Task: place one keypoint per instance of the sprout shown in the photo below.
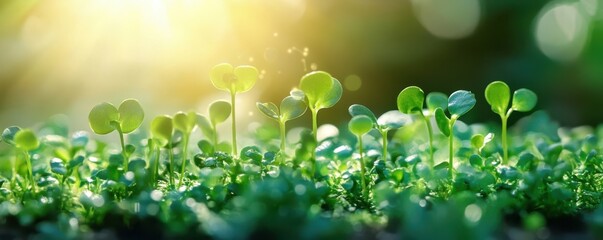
(292, 107)
(27, 141)
(185, 123)
(233, 80)
(360, 125)
(410, 101)
(459, 103)
(219, 111)
(498, 96)
(104, 118)
(162, 129)
(386, 122)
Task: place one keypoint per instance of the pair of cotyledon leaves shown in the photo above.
(235, 80)
(162, 126)
(291, 107)
(319, 90)
(363, 120)
(105, 118)
(410, 100)
(24, 139)
(498, 96)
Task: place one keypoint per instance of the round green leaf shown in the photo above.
(477, 141)
(292, 108)
(411, 100)
(436, 100)
(245, 78)
(498, 96)
(205, 126)
(8, 135)
(460, 102)
(185, 122)
(161, 129)
(101, 116)
(26, 140)
(222, 76)
(524, 100)
(130, 115)
(360, 125)
(299, 94)
(358, 109)
(393, 119)
(332, 96)
(269, 109)
(57, 166)
(219, 111)
(442, 121)
(315, 86)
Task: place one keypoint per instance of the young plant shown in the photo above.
(292, 107)
(410, 101)
(219, 111)
(8, 136)
(459, 103)
(27, 141)
(360, 125)
(233, 80)
(386, 122)
(162, 129)
(185, 123)
(104, 118)
(498, 96)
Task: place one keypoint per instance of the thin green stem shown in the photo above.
(315, 134)
(155, 165)
(234, 125)
(451, 148)
(171, 159)
(30, 171)
(123, 149)
(184, 158)
(430, 136)
(362, 169)
(283, 134)
(505, 143)
(215, 136)
(384, 144)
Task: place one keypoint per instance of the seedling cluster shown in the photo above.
(389, 175)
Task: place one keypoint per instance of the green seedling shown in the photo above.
(8, 136)
(219, 111)
(185, 123)
(479, 141)
(322, 91)
(104, 118)
(162, 129)
(498, 96)
(292, 107)
(360, 125)
(26, 140)
(386, 122)
(410, 101)
(233, 80)
(459, 103)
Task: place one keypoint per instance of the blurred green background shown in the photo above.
(66, 56)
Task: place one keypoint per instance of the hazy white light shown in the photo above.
(452, 19)
(561, 31)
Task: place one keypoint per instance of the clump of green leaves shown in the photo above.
(459, 103)
(360, 125)
(105, 118)
(410, 101)
(233, 80)
(388, 121)
(498, 96)
(292, 107)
